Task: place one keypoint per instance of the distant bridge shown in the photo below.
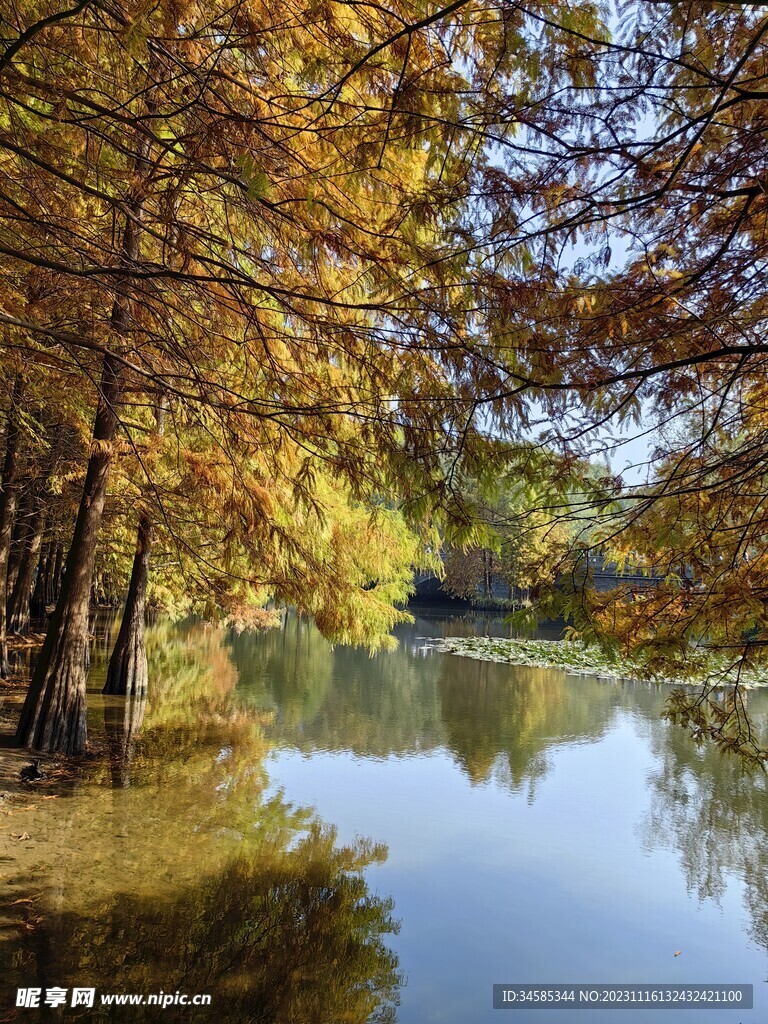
(604, 576)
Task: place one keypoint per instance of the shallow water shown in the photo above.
(310, 834)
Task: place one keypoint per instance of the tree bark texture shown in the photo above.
(53, 716)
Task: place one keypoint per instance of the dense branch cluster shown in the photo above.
(282, 283)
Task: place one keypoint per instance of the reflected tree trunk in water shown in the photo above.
(122, 724)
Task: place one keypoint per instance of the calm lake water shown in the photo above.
(308, 834)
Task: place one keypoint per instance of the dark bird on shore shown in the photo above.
(31, 773)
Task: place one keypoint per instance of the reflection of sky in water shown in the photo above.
(490, 887)
(566, 876)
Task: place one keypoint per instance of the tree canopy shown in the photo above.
(359, 254)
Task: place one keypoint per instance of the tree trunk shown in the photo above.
(55, 578)
(39, 600)
(8, 511)
(53, 716)
(127, 672)
(19, 537)
(18, 605)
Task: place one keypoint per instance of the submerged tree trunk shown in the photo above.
(53, 716)
(127, 672)
(8, 511)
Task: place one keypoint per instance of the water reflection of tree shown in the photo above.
(332, 699)
(287, 671)
(123, 719)
(188, 663)
(715, 815)
(193, 703)
(193, 878)
(502, 720)
(498, 720)
(281, 935)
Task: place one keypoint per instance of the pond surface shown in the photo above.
(308, 834)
